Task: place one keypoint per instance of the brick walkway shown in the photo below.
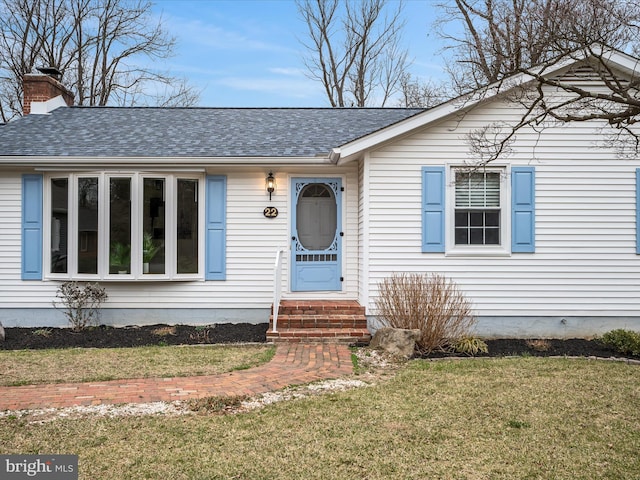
(293, 364)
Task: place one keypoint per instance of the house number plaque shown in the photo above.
(270, 212)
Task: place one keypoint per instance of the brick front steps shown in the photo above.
(320, 321)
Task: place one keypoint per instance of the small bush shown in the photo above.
(202, 334)
(429, 303)
(80, 303)
(470, 346)
(626, 342)
(539, 344)
(42, 332)
(164, 331)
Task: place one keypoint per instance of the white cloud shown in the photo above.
(288, 71)
(303, 88)
(215, 32)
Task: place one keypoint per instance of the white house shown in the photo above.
(544, 242)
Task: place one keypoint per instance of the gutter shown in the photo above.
(334, 156)
(60, 162)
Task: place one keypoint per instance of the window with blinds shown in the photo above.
(477, 208)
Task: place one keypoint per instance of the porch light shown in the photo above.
(271, 184)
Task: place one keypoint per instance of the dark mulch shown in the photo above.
(574, 347)
(135, 336)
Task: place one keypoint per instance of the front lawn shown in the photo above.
(516, 418)
(26, 367)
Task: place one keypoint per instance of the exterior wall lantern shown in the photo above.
(270, 184)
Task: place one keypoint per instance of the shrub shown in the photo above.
(164, 331)
(539, 344)
(470, 346)
(201, 334)
(626, 342)
(80, 303)
(429, 303)
(42, 332)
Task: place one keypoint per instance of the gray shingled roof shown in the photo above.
(192, 132)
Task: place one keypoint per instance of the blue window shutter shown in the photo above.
(433, 190)
(638, 211)
(523, 209)
(32, 227)
(216, 227)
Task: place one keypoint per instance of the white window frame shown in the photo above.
(504, 248)
(171, 214)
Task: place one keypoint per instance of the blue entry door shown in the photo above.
(316, 241)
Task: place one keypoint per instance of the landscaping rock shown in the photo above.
(399, 342)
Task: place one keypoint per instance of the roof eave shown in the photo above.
(353, 150)
(45, 162)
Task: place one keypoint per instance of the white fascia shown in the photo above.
(45, 163)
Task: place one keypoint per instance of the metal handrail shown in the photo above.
(277, 287)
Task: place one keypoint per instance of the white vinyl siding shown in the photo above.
(363, 231)
(10, 228)
(585, 261)
(14, 292)
(251, 240)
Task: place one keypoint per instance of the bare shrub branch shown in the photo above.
(80, 303)
(431, 303)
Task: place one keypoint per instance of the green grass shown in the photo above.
(519, 418)
(25, 367)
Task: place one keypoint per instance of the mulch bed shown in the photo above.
(226, 333)
(134, 336)
(574, 347)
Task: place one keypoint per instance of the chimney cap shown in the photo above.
(52, 71)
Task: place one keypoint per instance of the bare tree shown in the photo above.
(421, 94)
(501, 37)
(506, 38)
(353, 50)
(105, 50)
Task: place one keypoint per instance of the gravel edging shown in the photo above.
(181, 407)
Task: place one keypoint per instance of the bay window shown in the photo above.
(187, 225)
(153, 226)
(119, 229)
(87, 208)
(124, 226)
(59, 224)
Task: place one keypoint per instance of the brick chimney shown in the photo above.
(43, 86)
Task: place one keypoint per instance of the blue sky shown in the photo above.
(247, 53)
